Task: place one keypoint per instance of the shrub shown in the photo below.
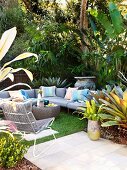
(11, 150)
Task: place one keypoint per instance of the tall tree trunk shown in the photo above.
(83, 22)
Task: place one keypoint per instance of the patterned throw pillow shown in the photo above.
(80, 95)
(48, 91)
(69, 92)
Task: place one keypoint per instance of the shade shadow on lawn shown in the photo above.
(65, 124)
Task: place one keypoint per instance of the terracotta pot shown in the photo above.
(93, 130)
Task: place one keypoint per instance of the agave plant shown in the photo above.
(6, 71)
(55, 81)
(114, 106)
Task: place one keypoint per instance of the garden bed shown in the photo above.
(23, 165)
(114, 133)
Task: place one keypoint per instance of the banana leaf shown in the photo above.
(94, 28)
(103, 19)
(116, 18)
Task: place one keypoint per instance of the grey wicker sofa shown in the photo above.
(58, 99)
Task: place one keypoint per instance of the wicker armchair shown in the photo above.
(21, 114)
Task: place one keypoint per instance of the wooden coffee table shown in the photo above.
(41, 112)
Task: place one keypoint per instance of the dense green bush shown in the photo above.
(10, 17)
(11, 150)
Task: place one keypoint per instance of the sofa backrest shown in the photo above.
(60, 92)
(4, 94)
(31, 93)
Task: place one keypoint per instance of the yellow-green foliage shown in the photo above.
(92, 110)
(11, 151)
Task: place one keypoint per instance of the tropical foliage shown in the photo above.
(5, 42)
(12, 149)
(113, 105)
(58, 39)
(91, 112)
(108, 44)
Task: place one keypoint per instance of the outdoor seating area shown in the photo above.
(63, 85)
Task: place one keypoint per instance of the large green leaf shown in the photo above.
(29, 74)
(113, 112)
(110, 105)
(112, 100)
(104, 116)
(118, 91)
(109, 123)
(103, 19)
(17, 84)
(10, 76)
(6, 41)
(116, 18)
(21, 57)
(4, 73)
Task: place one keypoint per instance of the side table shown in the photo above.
(41, 112)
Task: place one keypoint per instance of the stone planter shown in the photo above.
(85, 82)
(93, 130)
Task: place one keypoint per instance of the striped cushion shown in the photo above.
(78, 95)
(48, 91)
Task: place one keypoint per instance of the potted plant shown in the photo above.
(91, 112)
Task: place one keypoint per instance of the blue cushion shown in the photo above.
(78, 95)
(48, 91)
(24, 94)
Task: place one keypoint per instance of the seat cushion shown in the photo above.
(33, 100)
(43, 124)
(74, 105)
(58, 100)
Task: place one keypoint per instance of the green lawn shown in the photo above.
(65, 124)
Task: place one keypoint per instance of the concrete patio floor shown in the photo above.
(77, 152)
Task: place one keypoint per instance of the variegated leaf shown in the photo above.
(109, 123)
(6, 41)
(29, 74)
(21, 57)
(4, 73)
